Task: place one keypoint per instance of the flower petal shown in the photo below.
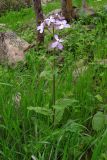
(67, 26)
(56, 37)
(50, 20)
(54, 44)
(61, 26)
(64, 22)
(61, 40)
(38, 28)
(60, 46)
(41, 27)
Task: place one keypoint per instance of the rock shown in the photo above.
(45, 1)
(82, 67)
(89, 27)
(12, 48)
(54, 12)
(74, 13)
(101, 61)
(79, 72)
(87, 11)
(2, 25)
(105, 8)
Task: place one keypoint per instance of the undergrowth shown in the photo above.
(80, 129)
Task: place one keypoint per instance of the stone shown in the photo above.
(45, 1)
(81, 67)
(79, 72)
(87, 11)
(2, 25)
(54, 12)
(105, 8)
(12, 48)
(101, 62)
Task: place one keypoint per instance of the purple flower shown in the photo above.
(62, 24)
(57, 44)
(50, 20)
(41, 27)
(56, 21)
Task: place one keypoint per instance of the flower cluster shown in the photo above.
(57, 43)
(54, 22)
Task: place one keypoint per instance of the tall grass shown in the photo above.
(26, 128)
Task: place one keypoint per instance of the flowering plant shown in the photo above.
(54, 22)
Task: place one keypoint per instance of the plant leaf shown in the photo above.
(98, 121)
(99, 98)
(41, 110)
(60, 107)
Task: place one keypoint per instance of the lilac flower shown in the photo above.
(62, 24)
(41, 27)
(50, 20)
(57, 44)
(56, 21)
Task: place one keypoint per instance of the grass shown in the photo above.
(26, 126)
(15, 19)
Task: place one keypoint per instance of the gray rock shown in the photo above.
(54, 12)
(105, 7)
(12, 48)
(78, 72)
(2, 25)
(101, 61)
(81, 68)
(45, 1)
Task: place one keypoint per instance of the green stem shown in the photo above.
(54, 80)
(54, 86)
